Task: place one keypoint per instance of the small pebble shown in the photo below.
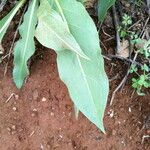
(13, 127)
(13, 132)
(129, 109)
(52, 114)
(34, 109)
(61, 136)
(14, 109)
(111, 114)
(43, 99)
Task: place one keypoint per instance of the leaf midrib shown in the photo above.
(28, 33)
(87, 84)
(63, 40)
(84, 76)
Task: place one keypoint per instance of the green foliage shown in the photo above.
(123, 29)
(25, 47)
(126, 20)
(103, 6)
(136, 2)
(66, 27)
(73, 69)
(82, 1)
(142, 80)
(55, 30)
(4, 23)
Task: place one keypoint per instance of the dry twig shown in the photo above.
(110, 57)
(116, 27)
(123, 80)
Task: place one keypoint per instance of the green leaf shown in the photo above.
(86, 80)
(82, 1)
(87, 84)
(53, 32)
(4, 23)
(25, 47)
(103, 6)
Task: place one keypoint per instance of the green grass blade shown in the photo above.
(103, 6)
(4, 23)
(25, 47)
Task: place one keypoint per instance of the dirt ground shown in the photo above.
(40, 116)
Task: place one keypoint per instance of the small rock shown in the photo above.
(14, 109)
(61, 136)
(13, 132)
(129, 109)
(35, 110)
(52, 114)
(13, 127)
(44, 99)
(111, 113)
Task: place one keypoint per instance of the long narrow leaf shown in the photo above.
(103, 6)
(25, 47)
(4, 23)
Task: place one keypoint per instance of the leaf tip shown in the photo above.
(18, 84)
(18, 81)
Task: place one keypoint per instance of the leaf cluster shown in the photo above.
(66, 27)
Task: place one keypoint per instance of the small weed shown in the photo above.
(123, 29)
(142, 79)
